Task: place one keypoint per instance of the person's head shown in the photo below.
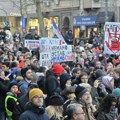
(109, 66)
(57, 69)
(13, 87)
(98, 64)
(82, 94)
(70, 92)
(74, 112)
(5, 66)
(83, 78)
(36, 97)
(116, 73)
(31, 86)
(65, 80)
(107, 103)
(76, 72)
(27, 73)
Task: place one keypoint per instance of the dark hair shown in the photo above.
(83, 74)
(75, 70)
(106, 103)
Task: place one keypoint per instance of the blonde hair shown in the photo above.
(55, 111)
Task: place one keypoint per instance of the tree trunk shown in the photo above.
(40, 19)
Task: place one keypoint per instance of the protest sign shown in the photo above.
(51, 51)
(31, 44)
(45, 59)
(112, 38)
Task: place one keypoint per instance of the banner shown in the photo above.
(112, 38)
(31, 44)
(45, 59)
(45, 43)
(52, 52)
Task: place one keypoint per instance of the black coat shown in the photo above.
(4, 85)
(20, 107)
(105, 116)
(34, 113)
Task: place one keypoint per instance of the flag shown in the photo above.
(21, 64)
(57, 32)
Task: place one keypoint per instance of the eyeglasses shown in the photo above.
(80, 113)
(84, 78)
(29, 72)
(39, 97)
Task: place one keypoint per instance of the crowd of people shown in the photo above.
(87, 88)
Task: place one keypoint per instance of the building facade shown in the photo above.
(78, 15)
(10, 14)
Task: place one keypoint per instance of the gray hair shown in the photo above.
(71, 109)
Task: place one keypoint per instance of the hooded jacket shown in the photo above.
(34, 113)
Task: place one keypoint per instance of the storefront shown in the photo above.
(33, 24)
(82, 25)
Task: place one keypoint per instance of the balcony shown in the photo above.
(89, 4)
(63, 4)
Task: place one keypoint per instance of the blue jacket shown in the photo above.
(23, 86)
(34, 113)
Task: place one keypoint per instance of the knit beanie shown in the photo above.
(57, 69)
(79, 91)
(56, 100)
(116, 92)
(63, 79)
(12, 84)
(35, 92)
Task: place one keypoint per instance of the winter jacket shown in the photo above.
(23, 86)
(10, 102)
(34, 113)
(20, 107)
(86, 108)
(4, 84)
(105, 116)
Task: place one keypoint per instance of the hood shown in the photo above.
(48, 73)
(11, 94)
(106, 81)
(22, 82)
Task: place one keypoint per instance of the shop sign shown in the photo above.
(84, 20)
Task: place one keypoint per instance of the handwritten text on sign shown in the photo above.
(31, 44)
(112, 38)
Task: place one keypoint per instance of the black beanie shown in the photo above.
(56, 100)
(12, 84)
(63, 79)
(79, 91)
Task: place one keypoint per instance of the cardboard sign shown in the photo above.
(31, 44)
(112, 38)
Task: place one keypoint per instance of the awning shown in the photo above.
(101, 17)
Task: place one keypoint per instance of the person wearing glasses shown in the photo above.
(74, 112)
(34, 109)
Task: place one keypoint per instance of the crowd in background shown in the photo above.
(87, 88)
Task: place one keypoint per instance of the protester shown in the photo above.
(74, 112)
(55, 108)
(34, 109)
(11, 99)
